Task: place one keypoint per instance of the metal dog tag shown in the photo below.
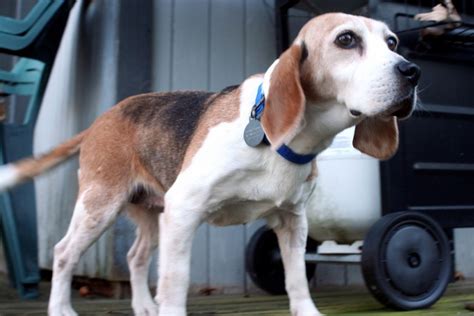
(254, 134)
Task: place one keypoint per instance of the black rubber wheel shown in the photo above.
(406, 261)
(264, 264)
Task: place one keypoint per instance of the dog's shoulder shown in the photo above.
(167, 122)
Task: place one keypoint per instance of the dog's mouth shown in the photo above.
(401, 109)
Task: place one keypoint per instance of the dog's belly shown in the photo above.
(235, 213)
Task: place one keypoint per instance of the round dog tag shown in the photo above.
(254, 134)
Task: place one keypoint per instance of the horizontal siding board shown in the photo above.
(226, 43)
(464, 255)
(190, 45)
(260, 37)
(250, 229)
(226, 68)
(200, 259)
(163, 35)
(190, 70)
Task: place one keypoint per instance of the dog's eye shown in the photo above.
(392, 43)
(346, 40)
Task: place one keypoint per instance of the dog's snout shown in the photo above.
(410, 71)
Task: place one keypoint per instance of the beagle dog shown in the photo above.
(175, 160)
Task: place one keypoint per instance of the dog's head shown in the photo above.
(347, 60)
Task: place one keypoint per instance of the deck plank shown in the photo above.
(352, 301)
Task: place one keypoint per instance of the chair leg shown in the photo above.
(18, 210)
(26, 286)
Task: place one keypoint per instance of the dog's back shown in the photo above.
(144, 136)
(165, 124)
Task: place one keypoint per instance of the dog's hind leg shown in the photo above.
(138, 258)
(95, 210)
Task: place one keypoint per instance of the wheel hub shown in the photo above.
(412, 260)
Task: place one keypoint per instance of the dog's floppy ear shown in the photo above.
(377, 137)
(285, 101)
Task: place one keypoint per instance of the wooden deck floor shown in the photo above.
(348, 301)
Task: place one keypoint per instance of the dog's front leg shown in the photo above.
(177, 227)
(292, 233)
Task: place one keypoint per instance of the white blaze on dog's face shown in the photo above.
(355, 62)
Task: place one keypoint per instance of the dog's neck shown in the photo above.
(322, 121)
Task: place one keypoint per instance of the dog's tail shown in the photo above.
(15, 173)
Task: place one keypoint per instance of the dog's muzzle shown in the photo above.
(403, 104)
(410, 73)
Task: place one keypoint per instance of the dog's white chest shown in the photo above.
(248, 195)
(235, 184)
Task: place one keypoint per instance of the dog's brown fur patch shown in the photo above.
(166, 123)
(138, 147)
(224, 108)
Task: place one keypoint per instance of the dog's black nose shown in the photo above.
(355, 112)
(410, 71)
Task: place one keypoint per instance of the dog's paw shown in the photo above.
(172, 311)
(145, 308)
(61, 310)
(307, 313)
(305, 308)
(146, 311)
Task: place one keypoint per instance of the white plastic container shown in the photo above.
(346, 200)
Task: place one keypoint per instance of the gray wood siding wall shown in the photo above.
(83, 86)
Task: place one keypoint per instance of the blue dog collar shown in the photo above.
(284, 151)
(287, 153)
(259, 104)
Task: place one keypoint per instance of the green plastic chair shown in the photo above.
(14, 26)
(36, 37)
(17, 207)
(25, 80)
